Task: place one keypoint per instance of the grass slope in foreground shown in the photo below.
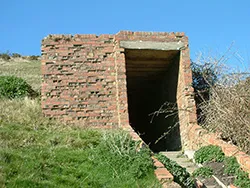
(37, 152)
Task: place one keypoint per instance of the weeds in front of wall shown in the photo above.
(209, 153)
(205, 172)
(231, 166)
(181, 176)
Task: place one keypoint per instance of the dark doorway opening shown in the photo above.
(152, 79)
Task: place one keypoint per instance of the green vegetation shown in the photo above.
(38, 152)
(205, 172)
(242, 179)
(181, 176)
(30, 71)
(231, 165)
(13, 87)
(209, 153)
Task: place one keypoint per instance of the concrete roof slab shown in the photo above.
(143, 45)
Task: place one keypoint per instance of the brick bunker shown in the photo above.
(116, 81)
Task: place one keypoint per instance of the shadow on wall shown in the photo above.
(152, 78)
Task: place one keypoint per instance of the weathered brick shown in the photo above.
(85, 75)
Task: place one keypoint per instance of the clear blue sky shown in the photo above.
(210, 25)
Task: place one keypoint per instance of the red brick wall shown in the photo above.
(78, 79)
(84, 78)
(84, 81)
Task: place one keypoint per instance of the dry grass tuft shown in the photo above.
(26, 112)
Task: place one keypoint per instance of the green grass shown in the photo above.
(205, 172)
(30, 71)
(38, 152)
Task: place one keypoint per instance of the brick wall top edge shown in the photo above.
(58, 37)
(69, 37)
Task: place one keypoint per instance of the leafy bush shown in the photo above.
(13, 87)
(30, 71)
(231, 165)
(5, 56)
(209, 153)
(181, 176)
(205, 172)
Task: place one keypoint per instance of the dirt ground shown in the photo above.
(218, 169)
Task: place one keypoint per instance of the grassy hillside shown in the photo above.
(28, 70)
(38, 152)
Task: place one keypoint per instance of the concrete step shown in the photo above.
(172, 153)
(191, 169)
(181, 160)
(190, 166)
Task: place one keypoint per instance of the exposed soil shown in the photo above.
(218, 171)
(209, 181)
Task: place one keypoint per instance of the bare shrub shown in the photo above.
(227, 111)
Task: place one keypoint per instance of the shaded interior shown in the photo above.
(152, 78)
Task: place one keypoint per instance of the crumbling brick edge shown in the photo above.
(199, 137)
(161, 173)
(164, 176)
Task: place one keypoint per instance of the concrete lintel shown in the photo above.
(144, 45)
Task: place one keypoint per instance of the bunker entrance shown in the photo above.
(152, 78)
